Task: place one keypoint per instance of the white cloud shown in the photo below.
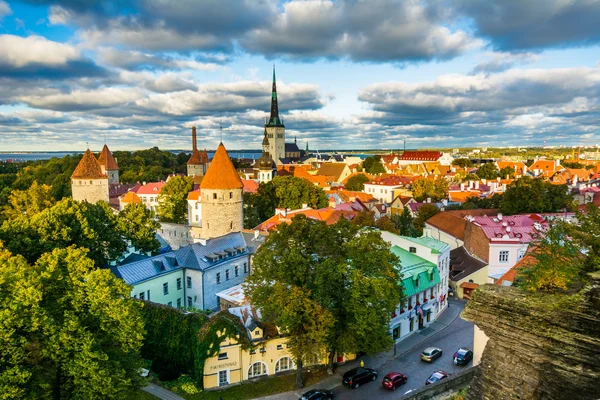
(20, 51)
(81, 100)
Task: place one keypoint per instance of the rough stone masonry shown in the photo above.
(541, 346)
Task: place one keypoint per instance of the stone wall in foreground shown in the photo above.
(540, 346)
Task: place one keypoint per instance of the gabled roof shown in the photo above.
(421, 155)
(463, 264)
(291, 148)
(334, 170)
(518, 166)
(509, 276)
(416, 270)
(131, 197)
(453, 222)
(194, 195)
(107, 160)
(151, 188)
(195, 158)
(197, 256)
(250, 185)
(221, 173)
(88, 168)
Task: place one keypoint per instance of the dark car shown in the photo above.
(430, 354)
(317, 394)
(436, 376)
(463, 356)
(393, 380)
(357, 376)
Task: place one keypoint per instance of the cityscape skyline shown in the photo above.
(365, 75)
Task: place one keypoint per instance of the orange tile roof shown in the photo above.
(511, 274)
(250, 185)
(88, 168)
(329, 215)
(106, 158)
(469, 285)
(301, 172)
(461, 197)
(221, 174)
(195, 158)
(349, 195)
(131, 197)
(194, 195)
(518, 166)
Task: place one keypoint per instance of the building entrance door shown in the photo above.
(420, 321)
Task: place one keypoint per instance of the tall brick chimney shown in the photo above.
(194, 148)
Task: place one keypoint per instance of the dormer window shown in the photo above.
(412, 249)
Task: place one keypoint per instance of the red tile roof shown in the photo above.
(221, 173)
(150, 188)
(88, 168)
(131, 197)
(250, 185)
(106, 158)
(421, 155)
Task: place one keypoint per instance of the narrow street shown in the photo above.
(458, 334)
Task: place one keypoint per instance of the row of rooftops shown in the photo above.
(199, 256)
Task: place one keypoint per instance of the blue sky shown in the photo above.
(358, 74)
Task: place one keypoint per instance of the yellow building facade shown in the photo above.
(269, 357)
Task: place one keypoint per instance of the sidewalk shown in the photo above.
(375, 362)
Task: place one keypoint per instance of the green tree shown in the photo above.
(172, 200)
(528, 195)
(488, 171)
(137, 224)
(357, 182)
(385, 223)
(474, 202)
(424, 188)
(471, 177)
(425, 212)
(404, 223)
(284, 192)
(572, 164)
(373, 165)
(557, 261)
(92, 226)
(507, 172)
(462, 162)
(69, 330)
(29, 202)
(342, 274)
(364, 219)
(586, 233)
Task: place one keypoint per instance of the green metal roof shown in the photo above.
(416, 270)
(435, 245)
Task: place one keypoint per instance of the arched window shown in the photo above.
(284, 364)
(257, 369)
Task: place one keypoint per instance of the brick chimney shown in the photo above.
(194, 148)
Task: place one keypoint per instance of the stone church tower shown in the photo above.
(263, 167)
(88, 182)
(109, 165)
(222, 200)
(198, 162)
(275, 128)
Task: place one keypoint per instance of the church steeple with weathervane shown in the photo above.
(275, 130)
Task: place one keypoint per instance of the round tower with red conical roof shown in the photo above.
(222, 200)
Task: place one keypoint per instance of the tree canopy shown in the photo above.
(91, 226)
(373, 165)
(424, 188)
(556, 262)
(488, 171)
(529, 195)
(69, 329)
(331, 287)
(172, 200)
(425, 212)
(357, 182)
(507, 172)
(282, 192)
(462, 162)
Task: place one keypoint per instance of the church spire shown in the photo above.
(274, 118)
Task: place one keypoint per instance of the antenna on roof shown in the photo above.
(87, 144)
(221, 127)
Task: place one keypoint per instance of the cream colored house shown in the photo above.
(466, 273)
(269, 356)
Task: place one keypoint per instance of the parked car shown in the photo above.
(463, 356)
(317, 394)
(393, 380)
(430, 354)
(358, 376)
(437, 376)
